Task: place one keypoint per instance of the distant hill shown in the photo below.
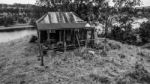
(15, 6)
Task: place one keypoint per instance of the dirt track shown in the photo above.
(120, 64)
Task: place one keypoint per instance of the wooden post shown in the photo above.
(40, 49)
(48, 38)
(77, 39)
(64, 41)
(86, 39)
(42, 58)
(39, 44)
(74, 38)
(92, 37)
(60, 36)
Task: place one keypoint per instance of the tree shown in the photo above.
(91, 10)
(96, 10)
(8, 21)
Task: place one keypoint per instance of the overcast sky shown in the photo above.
(145, 2)
(18, 1)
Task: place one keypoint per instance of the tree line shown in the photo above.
(91, 11)
(123, 12)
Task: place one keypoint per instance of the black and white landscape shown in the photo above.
(75, 42)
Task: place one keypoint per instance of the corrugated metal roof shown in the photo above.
(60, 17)
(55, 20)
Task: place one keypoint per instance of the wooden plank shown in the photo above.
(40, 49)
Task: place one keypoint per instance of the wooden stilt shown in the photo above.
(64, 41)
(74, 38)
(78, 39)
(92, 37)
(60, 36)
(39, 44)
(48, 38)
(86, 39)
(40, 49)
(42, 58)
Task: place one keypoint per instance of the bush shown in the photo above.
(144, 32)
(6, 21)
(100, 79)
(33, 22)
(116, 33)
(140, 74)
(123, 35)
(1, 21)
(21, 20)
(33, 39)
(9, 21)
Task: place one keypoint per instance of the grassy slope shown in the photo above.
(121, 64)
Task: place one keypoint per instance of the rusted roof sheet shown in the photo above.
(59, 20)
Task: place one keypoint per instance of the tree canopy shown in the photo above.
(94, 10)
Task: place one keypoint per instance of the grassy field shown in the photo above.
(120, 64)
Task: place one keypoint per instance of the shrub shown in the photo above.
(100, 79)
(6, 21)
(33, 22)
(116, 33)
(21, 20)
(140, 74)
(123, 34)
(144, 32)
(1, 21)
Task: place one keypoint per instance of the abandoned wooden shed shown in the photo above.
(62, 31)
